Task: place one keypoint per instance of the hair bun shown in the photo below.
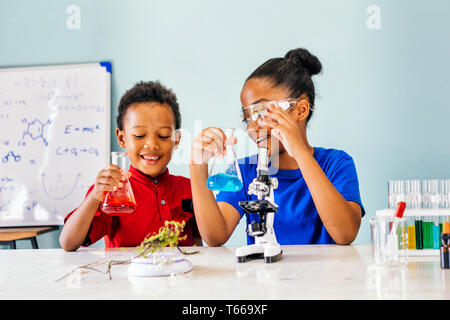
(305, 59)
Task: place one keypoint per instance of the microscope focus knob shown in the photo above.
(274, 182)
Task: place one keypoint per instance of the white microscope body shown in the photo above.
(266, 245)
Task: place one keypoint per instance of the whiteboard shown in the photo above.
(54, 139)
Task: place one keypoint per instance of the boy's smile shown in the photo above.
(151, 159)
(149, 136)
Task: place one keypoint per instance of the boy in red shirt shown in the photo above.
(147, 127)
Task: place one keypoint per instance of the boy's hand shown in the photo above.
(210, 142)
(108, 179)
(285, 128)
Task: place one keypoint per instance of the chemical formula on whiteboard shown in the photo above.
(56, 138)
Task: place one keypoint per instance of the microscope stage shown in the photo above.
(258, 206)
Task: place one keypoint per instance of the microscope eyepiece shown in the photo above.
(263, 161)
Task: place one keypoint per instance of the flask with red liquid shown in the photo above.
(121, 201)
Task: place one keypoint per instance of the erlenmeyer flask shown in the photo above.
(224, 173)
(121, 201)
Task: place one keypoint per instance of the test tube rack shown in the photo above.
(418, 213)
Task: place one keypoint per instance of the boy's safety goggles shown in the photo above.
(253, 112)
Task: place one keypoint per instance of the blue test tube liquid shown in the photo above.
(436, 234)
(224, 182)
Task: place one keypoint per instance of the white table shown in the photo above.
(305, 272)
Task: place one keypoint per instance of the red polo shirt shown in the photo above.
(166, 197)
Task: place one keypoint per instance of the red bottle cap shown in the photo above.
(400, 209)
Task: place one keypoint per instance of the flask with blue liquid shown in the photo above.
(224, 173)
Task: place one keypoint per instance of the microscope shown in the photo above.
(266, 245)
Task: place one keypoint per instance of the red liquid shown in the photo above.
(117, 207)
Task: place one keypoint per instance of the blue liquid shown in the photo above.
(436, 237)
(224, 182)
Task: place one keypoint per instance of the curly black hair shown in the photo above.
(148, 91)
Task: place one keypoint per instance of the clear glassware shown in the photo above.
(224, 173)
(396, 192)
(121, 201)
(383, 251)
(444, 193)
(433, 189)
(413, 194)
(392, 197)
(426, 195)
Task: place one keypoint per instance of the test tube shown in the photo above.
(433, 202)
(426, 198)
(448, 193)
(411, 230)
(403, 237)
(421, 241)
(434, 193)
(413, 189)
(436, 233)
(418, 228)
(392, 197)
(401, 192)
(444, 193)
(427, 232)
(396, 193)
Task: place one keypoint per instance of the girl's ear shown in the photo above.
(301, 110)
(176, 138)
(120, 138)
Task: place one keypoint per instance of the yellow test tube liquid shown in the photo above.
(411, 237)
(403, 240)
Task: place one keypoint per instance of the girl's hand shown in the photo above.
(108, 179)
(285, 128)
(210, 142)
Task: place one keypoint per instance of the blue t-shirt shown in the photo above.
(297, 220)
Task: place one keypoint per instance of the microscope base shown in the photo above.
(269, 253)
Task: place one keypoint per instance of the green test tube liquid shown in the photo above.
(427, 233)
(419, 239)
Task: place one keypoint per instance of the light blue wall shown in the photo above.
(383, 95)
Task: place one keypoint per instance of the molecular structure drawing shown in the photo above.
(11, 156)
(35, 130)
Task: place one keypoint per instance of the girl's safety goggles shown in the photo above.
(253, 112)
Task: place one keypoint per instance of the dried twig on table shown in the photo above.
(168, 236)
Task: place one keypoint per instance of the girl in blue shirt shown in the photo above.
(318, 191)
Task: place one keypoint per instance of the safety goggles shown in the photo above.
(253, 112)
